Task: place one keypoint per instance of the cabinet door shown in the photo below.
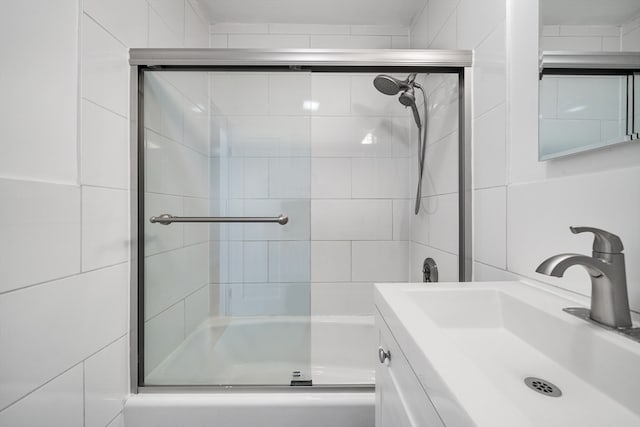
(390, 409)
(400, 398)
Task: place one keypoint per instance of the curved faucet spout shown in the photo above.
(558, 264)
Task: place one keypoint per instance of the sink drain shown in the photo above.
(543, 387)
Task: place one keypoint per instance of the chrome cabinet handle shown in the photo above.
(166, 219)
(384, 355)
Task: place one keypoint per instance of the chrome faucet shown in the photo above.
(609, 300)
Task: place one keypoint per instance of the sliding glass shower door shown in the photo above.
(227, 252)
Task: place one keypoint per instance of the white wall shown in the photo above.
(64, 238)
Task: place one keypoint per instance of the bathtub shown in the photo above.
(338, 355)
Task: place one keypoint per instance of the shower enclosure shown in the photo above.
(272, 189)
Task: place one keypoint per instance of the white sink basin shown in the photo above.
(472, 346)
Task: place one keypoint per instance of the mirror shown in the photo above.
(584, 111)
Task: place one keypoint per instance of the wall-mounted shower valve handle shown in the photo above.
(166, 219)
(383, 355)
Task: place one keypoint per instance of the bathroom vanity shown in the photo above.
(498, 354)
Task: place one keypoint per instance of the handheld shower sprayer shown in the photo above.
(389, 85)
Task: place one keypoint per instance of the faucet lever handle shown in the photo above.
(604, 241)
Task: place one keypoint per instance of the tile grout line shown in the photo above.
(57, 279)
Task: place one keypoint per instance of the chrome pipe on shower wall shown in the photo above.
(166, 219)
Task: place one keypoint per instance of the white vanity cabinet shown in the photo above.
(400, 399)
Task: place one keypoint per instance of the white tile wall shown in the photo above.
(330, 178)
(106, 383)
(342, 299)
(630, 39)
(39, 221)
(105, 74)
(330, 261)
(379, 261)
(588, 38)
(351, 220)
(67, 320)
(490, 226)
(59, 401)
(74, 160)
(282, 36)
(104, 147)
(105, 227)
(289, 261)
(126, 19)
(39, 129)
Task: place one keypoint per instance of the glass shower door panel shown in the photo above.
(227, 303)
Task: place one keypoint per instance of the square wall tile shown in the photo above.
(490, 149)
(331, 94)
(39, 126)
(125, 19)
(196, 31)
(68, 320)
(490, 72)
(380, 178)
(342, 299)
(290, 94)
(105, 227)
(57, 403)
(490, 225)
(172, 13)
(105, 69)
(289, 178)
(380, 261)
(351, 220)
(104, 147)
(330, 261)
(106, 383)
(231, 90)
(40, 229)
(289, 262)
(331, 178)
(351, 137)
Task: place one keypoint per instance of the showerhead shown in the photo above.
(408, 97)
(392, 86)
(389, 85)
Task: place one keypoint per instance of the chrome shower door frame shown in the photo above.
(346, 60)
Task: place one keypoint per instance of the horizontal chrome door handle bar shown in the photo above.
(166, 219)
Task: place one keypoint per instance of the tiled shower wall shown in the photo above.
(64, 224)
(454, 24)
(342, 175)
